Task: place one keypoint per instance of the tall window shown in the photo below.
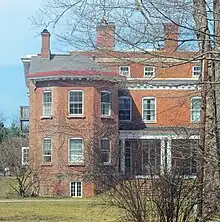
(106, 103)
(149, 109)
(125, 108)
(124, 70)
(47, 103)
(196, 71)
(196, 104)
(75, 151)
(76, 189)
(47, 150)
(76, 98)
(105, 151)
(149, 71)
(25, 155)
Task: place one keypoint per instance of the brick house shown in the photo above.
(148, 105)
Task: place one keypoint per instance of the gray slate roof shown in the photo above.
(65, 62)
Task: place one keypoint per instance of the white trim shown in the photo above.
(142, 110)
(162, 59)
(75, 191)
(146, 86)
(131, 134)
(110, 111)
(126, 97)
(22, 155)
(109, 162)
(75, 90)
(129, 71)
(75, 138)
(42, 141)
(42, 103)
(149, 76)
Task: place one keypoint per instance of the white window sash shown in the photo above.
(75, 155)
(76, 187)
(76, 103)
(151, 112)
(124, 73)
(149, 73)
(106, 107)
(195, 112)
(46, 106)
(47, 150)
(106, 151)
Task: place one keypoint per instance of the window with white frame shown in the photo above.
(149, 109)
(105, 151)
(47, 145)
(149, 71)
(196, 71)
(76, 102)
(47, 103)
(75, 151)
(106, 103)
(125, 108)
(75, 189)
(196, 104)
(124, 70)
(24, 155)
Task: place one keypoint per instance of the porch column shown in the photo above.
(162, 155)
(169, 154)
(122, 156)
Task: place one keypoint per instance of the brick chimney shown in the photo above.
(171, 35)
(45, 50)
(105, 35)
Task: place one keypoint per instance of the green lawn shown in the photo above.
(64, 210)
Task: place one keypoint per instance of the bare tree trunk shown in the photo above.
(203, 36)
(216, 9)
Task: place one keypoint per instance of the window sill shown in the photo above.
(76, 164)
(125, 121)
(148, 121)
(107, 164)
(106, 117)
(76, 117)
(186, 177)
(46, 164)
(149, 77)
(46, 117)
(195, 122)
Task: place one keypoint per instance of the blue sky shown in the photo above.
(18, 38)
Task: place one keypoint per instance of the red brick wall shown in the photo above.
(172, 107)
(60, 128)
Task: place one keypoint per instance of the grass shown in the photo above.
(5, 189)
(64, 210)
(52, 209)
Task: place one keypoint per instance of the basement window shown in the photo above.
(75, 189)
